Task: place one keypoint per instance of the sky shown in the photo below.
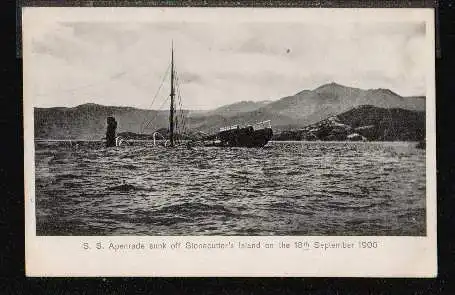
(217, 63)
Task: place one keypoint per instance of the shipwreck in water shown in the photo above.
(257, 135)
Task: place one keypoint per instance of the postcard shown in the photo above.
(229, 142)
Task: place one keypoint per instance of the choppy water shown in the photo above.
(286, 188)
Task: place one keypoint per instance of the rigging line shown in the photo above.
(156, 95)
(179, 101)
(181, 111)
(180, 114)
(156, 116)
(157, 113)
(179, 91)
(161, 85)
(177, 84)
(181, 118)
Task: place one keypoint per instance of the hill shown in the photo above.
(310, 106)
(212, 123)
(364, 123)
(88, 121)
(238, 107)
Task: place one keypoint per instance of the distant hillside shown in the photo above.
(238, 107)
(364, 123)
(214, 122)
(310, 106)
(307, 107)
(88, 121)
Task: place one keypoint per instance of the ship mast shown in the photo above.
(171, 115)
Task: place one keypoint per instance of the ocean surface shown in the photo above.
(285, 188)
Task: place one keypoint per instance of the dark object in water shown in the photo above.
(249, 136)
(110, 132)
(421, 144)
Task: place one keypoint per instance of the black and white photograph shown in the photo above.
(229, 128)
(229, 141)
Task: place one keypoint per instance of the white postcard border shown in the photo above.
(68, 256)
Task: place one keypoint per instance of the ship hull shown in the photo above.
(244, 137)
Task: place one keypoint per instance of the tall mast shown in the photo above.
(171, 115)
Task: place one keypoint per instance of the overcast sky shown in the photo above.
(122, 63)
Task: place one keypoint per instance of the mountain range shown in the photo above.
(88, 121)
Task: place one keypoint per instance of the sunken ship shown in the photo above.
(257, 135)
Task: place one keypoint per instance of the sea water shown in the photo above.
(285, 188)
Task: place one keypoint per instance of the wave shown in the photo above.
(124, 188)
(279, 190)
